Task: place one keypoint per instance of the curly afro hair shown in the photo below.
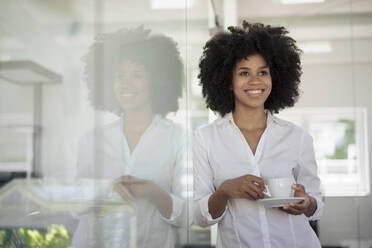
(157, 53)
(225, 49)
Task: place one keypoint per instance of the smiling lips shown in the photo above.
(254, 92)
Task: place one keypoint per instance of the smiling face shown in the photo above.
(251, 82)
(131, 85)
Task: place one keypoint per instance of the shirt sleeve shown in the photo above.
(85, 158)
(83, 161)
(203, 183)
(178, 215)
(307, 173)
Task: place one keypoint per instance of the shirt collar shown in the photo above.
(155, 121)
(228, 118)
(277, 120)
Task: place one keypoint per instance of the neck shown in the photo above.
(138, 119)
(250, 119)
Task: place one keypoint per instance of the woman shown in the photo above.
(139, 77)
(246, 75)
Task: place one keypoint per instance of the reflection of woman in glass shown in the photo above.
(246, 75)
(139, 76)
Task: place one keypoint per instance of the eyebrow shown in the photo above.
(247, 68)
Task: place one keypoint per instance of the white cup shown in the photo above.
(280, 187)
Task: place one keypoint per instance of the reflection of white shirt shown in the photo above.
(104, 154)
(284, 150)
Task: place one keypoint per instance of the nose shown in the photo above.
(124, 82)
(254, 79)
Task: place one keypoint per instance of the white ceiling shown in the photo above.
(273, 8)
(46, 25)
(55, 11)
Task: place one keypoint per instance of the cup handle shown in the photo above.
(267, 192)
(293, 183)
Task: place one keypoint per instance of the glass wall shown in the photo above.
(94, 122)
(99, 101)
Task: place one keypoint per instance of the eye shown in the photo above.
(243, 73)
(263, 73)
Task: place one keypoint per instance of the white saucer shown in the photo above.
(279, 202)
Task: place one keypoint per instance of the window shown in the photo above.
(341, 147)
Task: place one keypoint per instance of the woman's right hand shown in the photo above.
(247, 186)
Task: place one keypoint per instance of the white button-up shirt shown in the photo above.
(284, 150)
(159, 156)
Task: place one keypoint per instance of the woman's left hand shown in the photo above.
(131, 188)
(136, 187)
(306, 206)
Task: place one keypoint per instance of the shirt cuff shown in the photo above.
(206, 218)
(319, 208)
(177, 207)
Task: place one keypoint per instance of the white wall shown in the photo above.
(333, 85)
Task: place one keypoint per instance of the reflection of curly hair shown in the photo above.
(157, 53)
(225, 49)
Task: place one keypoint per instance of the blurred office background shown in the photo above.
(44, 107)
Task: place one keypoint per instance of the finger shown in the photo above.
(301, 205)
(247, 196)
(255, 188)
(123, 179)
(298, 204)
(284, 209)
(118, 184)
(297, 207)
(247, 190)
(129, 180)
(304, 202)
(132, 178)
(300, 194)
(296, 210)
(259, 183)
(288, 211)
(261, 187)
(118, 180)
(298, 187)
(139, 181)
(125, 193)
(292, 210)
(251, 177)
(120, 187)
(254, 194)
(250, 189)
(258, 180)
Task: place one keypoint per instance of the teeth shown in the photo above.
(255, 91)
